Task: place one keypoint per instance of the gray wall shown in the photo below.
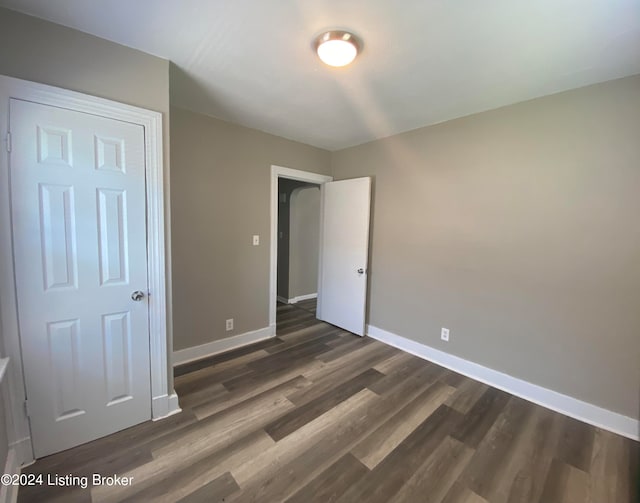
(517, 229)
(220, 183)
(304, 242)
(284, 196)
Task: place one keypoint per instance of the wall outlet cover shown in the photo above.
(229, 324)
(444, 334)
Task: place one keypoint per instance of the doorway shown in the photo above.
(298, 241)
(343, 247)
(290, 181)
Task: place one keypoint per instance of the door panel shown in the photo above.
(344, 252)
(112, 236)
(78, 216)
(57, 221)
(64, 348)
(116, 340)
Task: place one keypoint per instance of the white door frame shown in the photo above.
(163, 400)
(291, 174)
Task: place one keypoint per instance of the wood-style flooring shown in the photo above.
(320, 415)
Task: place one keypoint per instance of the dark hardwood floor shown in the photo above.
(320, 415)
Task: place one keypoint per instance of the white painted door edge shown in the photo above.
(291, 174)
(564, 404)
(156, 178)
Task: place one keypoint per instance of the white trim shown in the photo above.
(174, 405)
(300, 298)
(319, 283)
(214, 347)
(291, 174)
(157, 266)
(9, 493)
(569, 406)
(297, 299)
(4, 364)
(165, 406)
(23, 450)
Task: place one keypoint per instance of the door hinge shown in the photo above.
(26, 409)
(8, 142)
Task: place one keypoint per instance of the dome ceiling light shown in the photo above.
(337, 48)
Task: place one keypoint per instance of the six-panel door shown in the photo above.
(342, 296)
(78, 215)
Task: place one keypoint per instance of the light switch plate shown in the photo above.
(256, 240)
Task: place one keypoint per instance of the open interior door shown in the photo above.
(344, 251)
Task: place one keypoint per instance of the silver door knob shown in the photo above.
(360, 271)
(137, 295)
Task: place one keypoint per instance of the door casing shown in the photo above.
(291, 174)
(164, 401)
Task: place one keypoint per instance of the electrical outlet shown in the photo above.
(229, 324)
(444, 334)
(256, 240)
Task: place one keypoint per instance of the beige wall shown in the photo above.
(519, 230)
(37, 50)
(40, 51)
(304, 242)
(220, 183)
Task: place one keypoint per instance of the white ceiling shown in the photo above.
(424, 61)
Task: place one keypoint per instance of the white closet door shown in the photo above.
(78, 214)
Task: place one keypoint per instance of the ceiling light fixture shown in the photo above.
(337, 48)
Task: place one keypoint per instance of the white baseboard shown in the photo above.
(23, 451)
(212, 348)
(300, 298)
(9, 493)
(4, 364)
(165, 406)
(569, 406)
(174, 405)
